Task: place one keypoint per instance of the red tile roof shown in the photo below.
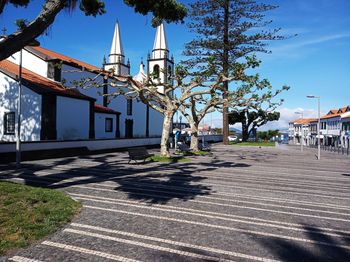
(54, 55)
(304, 121)
(47, 54)
(103, 109)
(335, 112)
(343, 109)
(38, 83)
(331, 116)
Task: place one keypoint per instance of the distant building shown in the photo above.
(334, 129)
(204, 129)
(299, 130)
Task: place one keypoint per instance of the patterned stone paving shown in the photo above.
(240, 204)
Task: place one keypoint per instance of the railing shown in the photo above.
(335, 148)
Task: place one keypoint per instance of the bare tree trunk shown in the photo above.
(15, 42)
(245, 133)
(194, 136)
(164, 144)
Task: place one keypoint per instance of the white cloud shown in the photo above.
(311, 42)
(287, 115)
(300, 47)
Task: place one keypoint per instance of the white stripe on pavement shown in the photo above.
(220, 227)
(218, 215)
(274, 211)
(145, 245)
(88, 251)
(272, 190)
(171, 242)
(22, 259)
(249, 202)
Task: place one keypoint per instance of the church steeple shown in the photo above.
(117, 52)
(160, 46)
(116, 57)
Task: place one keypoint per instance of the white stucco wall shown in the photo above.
(119, 104)
(100, 131)
(31, 109)
(30, 62)
(72, 118)
(70, 74)
(155, 123)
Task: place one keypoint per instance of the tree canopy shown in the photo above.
(168, 10)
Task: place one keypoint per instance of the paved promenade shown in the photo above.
(240, 204)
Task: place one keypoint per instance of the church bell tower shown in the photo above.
(159, 63)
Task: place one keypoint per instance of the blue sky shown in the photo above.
(314, 62)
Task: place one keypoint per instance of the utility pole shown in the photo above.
(302, 131)
(318, 125)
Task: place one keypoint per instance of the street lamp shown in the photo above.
(302, 131)
(318, 126)
(19, 109)
(180, 123)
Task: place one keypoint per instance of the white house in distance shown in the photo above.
(53, 109)
(334, 129)
(298, 129)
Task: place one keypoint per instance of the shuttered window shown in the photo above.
(129, 107)
(109, 125)
(9, 123)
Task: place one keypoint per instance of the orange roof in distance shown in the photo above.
(304, 121)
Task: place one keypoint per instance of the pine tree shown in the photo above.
(227, 30)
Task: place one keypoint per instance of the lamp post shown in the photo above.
(302, 131)
(19, 106)
(180, 123)
(318, 126)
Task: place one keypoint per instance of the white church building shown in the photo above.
(54, 109)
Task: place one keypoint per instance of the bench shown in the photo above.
(204, 147)
(138, 153)
(182, 147)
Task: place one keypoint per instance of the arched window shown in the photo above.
(156, 71)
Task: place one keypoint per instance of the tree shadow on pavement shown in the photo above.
(151, 182)
(322, 248)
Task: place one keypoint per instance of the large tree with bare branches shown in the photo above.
(168, 98)
(250, 92)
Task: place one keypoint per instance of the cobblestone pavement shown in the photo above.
(240, 204)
